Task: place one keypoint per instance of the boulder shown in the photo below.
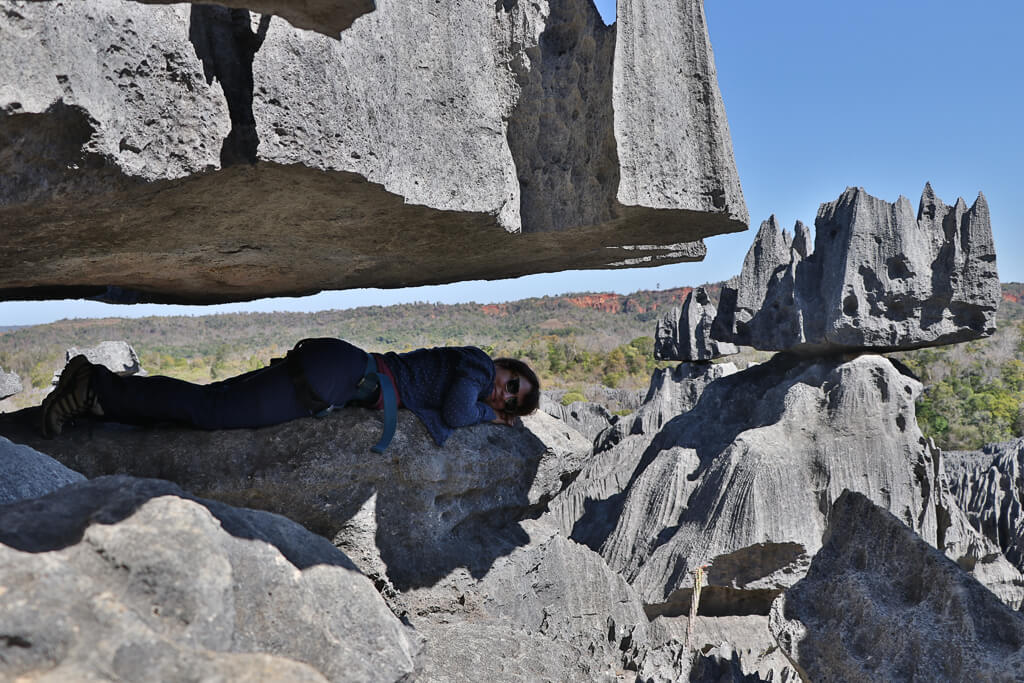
(878, 603)
(117, 356)
(586, 510)
(744, 481)
(548, 609)
(135, 580)
(685, 334)
(879, 278)
(10, 384)
(589, 419)
(988, 485)
(672, 392)
(27, 473)
(423, 505)
(198, 154)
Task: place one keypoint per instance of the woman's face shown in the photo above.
(509, 390)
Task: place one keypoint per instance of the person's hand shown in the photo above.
(504, 418)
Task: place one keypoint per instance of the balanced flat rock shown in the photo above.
(879, 278)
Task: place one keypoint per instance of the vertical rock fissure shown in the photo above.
(560, 132)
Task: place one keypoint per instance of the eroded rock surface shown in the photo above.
(10, 384)
(875, 577)
(672, 392)
(548, 609)
(685, 334)
(988, 486)
(878, 278)
(329, 17)
(134, 579)
(422, 505)
(743, 482)
(251, 158)
(27, 473)
(589, 419)
(117, 356)
(587, 508)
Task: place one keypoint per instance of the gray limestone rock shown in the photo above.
(585, 510)
(27, 473)
(548, 609)
(329, 17)
(879, 278)
(10, 384)
(685, 334)
(660, 91)
(132, 579)
(744, 481)
(251, 158)
(743, 639)
(988, 486)
(880, 604)
(589, 419)
(117, 356)
(429, 504)
(672, 392)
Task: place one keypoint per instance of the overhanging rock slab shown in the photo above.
(329, 17)
(193, 153)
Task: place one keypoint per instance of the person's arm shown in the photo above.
(461, 406)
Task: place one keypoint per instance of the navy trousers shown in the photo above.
(256, 399)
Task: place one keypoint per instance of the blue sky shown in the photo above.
(820, 95)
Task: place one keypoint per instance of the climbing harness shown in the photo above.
(372, 385)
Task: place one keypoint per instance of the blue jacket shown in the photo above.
(445, 386)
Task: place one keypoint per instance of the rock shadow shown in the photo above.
(433, 509)
(59, 519)
(226, 44)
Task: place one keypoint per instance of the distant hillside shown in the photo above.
(577, 342)
(557, 333)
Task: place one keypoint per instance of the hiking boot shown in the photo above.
(72, 397)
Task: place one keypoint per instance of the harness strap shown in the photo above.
(390, 400)
(366, 394)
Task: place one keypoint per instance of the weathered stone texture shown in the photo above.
(548, 609)
(329, 17)
(879, 278)
(589, 419)
(117, 356)
(880, 604)
(27, 473)
(250, 158)
(685, 334)
(988, 486)
(672, 392)
(132, 579)
(660, 90)
(10, 384)
(587, 509)
(423, 505)
(743, 482)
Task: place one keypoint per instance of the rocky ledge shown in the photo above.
(199, 154)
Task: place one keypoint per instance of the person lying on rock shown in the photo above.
(446, 387)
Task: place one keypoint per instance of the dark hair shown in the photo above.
(532, 400)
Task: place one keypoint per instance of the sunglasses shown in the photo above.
(512, 387)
